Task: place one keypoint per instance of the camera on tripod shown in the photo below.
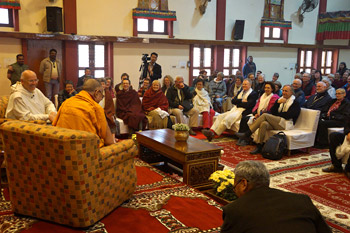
(145, 58)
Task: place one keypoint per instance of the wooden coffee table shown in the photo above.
(198, 158)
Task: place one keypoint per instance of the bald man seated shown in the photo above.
(82, 112)
(27, 102)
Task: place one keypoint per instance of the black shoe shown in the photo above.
(334, 169)
(191, 132)
(239, 142)
(347, 174)
(209, 134)
(244, 135)
(257, 149)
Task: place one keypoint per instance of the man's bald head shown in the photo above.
(91, 85)
(29, 80)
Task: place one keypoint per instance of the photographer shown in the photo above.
(151, 70)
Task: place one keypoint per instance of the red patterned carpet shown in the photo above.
(160, 204)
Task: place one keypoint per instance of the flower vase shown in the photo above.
(181, 135)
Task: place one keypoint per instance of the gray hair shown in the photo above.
(290, 86)
(91, 85)
(221, 75)
(298, 80)
(254, 172)
(179, 77)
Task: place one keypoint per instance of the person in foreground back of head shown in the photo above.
(260, 208)
(82, 112)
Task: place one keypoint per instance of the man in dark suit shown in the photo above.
(152, 70)
(263, 209)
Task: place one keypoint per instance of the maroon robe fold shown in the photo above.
(154, 99)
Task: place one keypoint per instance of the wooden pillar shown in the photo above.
(219, 58)
(70, 61)
(134, 31)
(70, 16)
(109, 60)
(15, 17)
(220, 19)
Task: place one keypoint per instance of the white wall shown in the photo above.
(338, 5)
(190, 24)
(127, 59)
(271, 60)
(344, 56)
(9, 49)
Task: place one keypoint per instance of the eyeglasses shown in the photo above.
(234, 186)
(33, 81)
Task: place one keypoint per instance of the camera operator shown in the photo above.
(152, 70)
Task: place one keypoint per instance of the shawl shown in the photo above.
(244, 96)
(264, 102)
(202, 100)
(109, 108)
(154, 99)
(284, 107)
(129, 109)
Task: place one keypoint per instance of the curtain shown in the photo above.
(333, 25)
(10, 4)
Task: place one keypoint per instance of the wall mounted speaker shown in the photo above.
(54, 19)
(238, 30)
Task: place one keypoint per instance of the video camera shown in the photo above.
(145, 58)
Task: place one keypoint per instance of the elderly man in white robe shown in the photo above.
(27, 102)
(243, 104)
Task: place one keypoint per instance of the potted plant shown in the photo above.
(223, 184)
(181, 132)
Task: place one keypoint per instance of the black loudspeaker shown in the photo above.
(54, 19)
(239, 30)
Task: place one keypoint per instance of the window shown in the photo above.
(232, 60)
(305, 60)
(6, 17)
(152, 26)
(326, 62)
(272, 33)
(92, 56)
(202, 58)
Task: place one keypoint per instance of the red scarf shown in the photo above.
(334, 106)
(154, 99)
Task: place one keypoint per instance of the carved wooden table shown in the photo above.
(198, 158)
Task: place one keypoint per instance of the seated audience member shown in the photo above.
(320, 100)
(243, 105)
(66, 93)
(201, 102)
(217, 90)
(298, 93)
(264, 104)
(202, 76)
(86, 76)
(155, 105)
(180, 103)
(331, 79)
(232, 93)
(342, 68)
(338, 81)
(278, 87)
(214, 75)
(297, 76)
(229, 82)
(145, 86)
(168, 82)
(347, 87)
(284, 114)
(337, 115)
(308, 87)
(330, 89)
(107, 104)
(109, 85)
(259, 88)
(119, 86)
(253, 79)
(275, 77)
(129, 108)
(82, 112)
(337, 156)
(27, 102)
(260, 208)
(317, 77)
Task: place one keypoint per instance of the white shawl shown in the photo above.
(244, 96)
(202, 100)
(264, 102)
(285, 106)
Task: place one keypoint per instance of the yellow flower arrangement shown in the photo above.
(223, 184)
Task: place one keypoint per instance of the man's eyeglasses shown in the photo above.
(33, 81)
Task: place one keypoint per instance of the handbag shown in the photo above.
(275, 146)
(187, 104)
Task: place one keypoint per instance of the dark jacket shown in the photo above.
(299, 96)
(249, 68)
(260, 88)
(157, 72)
(249, 105)
(340, 114)
(319, 101)
(292, 113)
(173, 97)
(63, 95)
(266, 209)
(309, 89)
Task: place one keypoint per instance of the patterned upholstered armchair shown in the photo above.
(61, 175)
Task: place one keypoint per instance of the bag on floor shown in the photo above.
(275, 146)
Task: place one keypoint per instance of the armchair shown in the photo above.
(61, 175)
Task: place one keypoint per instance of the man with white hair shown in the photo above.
(330, 89)
(298, 93)
(27, 102)
(320, 100)
(180, 103)
(260, 208)
(259, 88)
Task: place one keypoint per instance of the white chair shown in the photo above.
(304, 132)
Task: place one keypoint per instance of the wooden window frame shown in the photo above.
(271, 33)
(331, 67)
(11, 19)
(299, 57)
(151, 30)
(231, 67)
(201, 66)
(92, 58)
